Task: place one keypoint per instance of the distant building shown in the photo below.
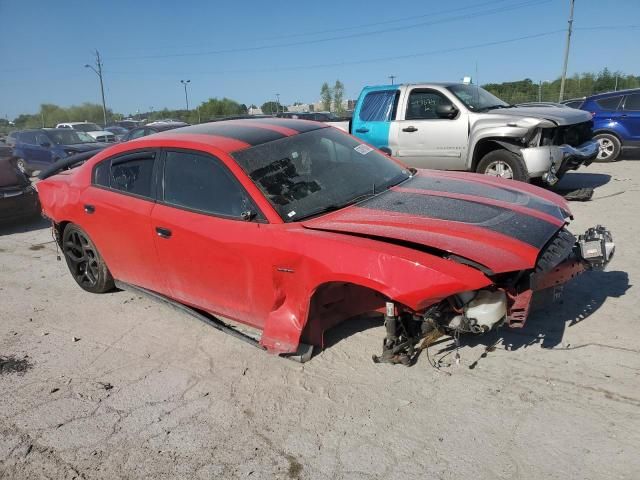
(254, 111)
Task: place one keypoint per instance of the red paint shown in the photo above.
(278, 276)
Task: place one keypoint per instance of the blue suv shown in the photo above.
(39, 148)
(616, 121)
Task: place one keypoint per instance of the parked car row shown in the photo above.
(38, 148)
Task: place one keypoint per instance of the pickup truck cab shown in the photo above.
(457, 126)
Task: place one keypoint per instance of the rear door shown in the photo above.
(207, 250)
(630, 116)
(375, 111)
(117, 216)
(422, 139)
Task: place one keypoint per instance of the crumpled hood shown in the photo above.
(500, 224)
(559, 115)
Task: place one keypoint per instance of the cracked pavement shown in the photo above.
(147, 392)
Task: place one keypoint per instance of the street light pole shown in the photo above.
(277, 103)
(186, 97)
(98, 72)
(566, 51)
(392, 77)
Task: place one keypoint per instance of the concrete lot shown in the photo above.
(145, 392)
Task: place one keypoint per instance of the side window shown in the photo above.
(422, 104)
(609, 103)
(200, 182)
(41, 138)
(632, 102)
(131, 173)
(137, 133)
(378, 106)
(28, 138)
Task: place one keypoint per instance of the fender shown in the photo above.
(364, 270)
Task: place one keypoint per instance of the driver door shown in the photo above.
(424, 140)
(209, 255)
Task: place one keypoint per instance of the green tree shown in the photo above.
(326, 96)
(269, 108)
(338, 96)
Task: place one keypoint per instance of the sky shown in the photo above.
(249, 50)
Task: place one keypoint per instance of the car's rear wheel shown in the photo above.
(504, 164)
(84, 261)
(610, 147)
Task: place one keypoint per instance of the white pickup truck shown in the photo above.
(457, 126)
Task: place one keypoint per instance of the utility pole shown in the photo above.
(540, 91)
(277, 103)
(392, 78)
(186, 97)
(566, 51)
(98, 72)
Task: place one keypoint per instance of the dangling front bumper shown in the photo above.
(593, 250)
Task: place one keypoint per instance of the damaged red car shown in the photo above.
(292, 227)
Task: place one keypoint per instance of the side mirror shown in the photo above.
(45, 144)
(446, 110)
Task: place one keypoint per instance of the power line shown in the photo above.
(368, 60)
(525, 4)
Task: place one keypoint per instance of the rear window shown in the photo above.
(378, 106)
(610, 103)
(632, 102)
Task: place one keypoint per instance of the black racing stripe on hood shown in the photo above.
(301, 126)
(449, 185)
(233, 129)
(527, 229)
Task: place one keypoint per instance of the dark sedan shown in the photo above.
(18, 198)
(151, 129)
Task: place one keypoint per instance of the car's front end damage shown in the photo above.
(551, 151)
(550, 140)
(512, 239)
(506, 302)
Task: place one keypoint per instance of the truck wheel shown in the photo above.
(85, 263)
(609, 147)
(504, 164)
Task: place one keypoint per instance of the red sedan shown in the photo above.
(292, 227)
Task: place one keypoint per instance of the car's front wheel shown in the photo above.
(610, 147)
(504, 164)
(87, 267)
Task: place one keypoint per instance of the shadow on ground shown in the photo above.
(575, 180)
(23, 226)
(546, 325)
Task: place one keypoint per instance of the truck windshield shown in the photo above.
(86, 127)
(318, 171)
(476, 98)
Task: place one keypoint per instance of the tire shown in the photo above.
(86, 265)
(22, 165)
(505, 164)
(610, 147)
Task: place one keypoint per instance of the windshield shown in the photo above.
(70, 137)
(86, 127)
(117, 130)
(476, 98)
(318, 171)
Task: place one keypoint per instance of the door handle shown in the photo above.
(410, 129)
(89, 209)
(362, 130)
(163, 232)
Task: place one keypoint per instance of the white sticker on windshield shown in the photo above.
(291, 213)
(363, 149)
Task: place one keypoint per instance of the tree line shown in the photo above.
(527, 90)
(577, 86)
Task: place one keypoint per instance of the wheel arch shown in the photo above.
(488, 145)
